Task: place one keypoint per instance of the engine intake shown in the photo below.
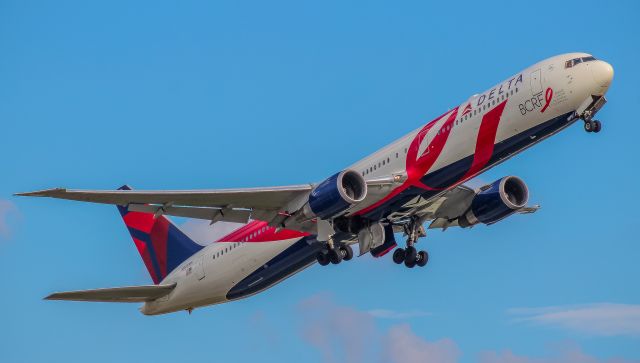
(497, 201)
(335, 194)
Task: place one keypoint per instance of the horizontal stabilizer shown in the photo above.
(115, 294)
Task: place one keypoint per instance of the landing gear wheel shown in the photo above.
(347, 252)
(589, 126)
(335, 256)
(323, 258)
(410, 257)
(410, 263)
(597, 126)
(423, 258)
(398, 255)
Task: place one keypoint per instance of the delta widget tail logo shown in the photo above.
(162, 246)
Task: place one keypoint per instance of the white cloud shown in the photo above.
(401, 344)
(392, 314)
(7, 210)
(595, 319)
(567, 353)
(344, 334)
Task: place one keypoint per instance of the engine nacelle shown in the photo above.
(501, 199)
(336, 194)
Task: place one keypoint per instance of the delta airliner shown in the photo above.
(417, 179)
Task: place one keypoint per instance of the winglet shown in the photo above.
(42, 193)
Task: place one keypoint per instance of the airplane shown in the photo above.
(419, 178)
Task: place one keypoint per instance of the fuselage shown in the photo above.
(478, 134)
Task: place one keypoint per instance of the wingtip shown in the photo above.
(50, 297)
(40, 193)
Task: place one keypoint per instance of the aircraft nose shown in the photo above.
(602, 73)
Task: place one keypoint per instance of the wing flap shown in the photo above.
(212, 214)
(115, 294)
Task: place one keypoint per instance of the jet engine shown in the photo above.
(335, 194)
(496, 201)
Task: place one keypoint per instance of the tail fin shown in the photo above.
(161, 244)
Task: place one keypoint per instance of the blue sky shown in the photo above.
(161, 94)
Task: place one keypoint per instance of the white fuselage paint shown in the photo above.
(205, 280)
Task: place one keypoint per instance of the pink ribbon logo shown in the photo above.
(548, 95)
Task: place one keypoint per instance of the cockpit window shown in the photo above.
(576, 61)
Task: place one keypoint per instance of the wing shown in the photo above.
(448, 205)
(232, 205)
(442, 210)
(116, 294)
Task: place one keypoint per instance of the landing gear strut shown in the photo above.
(410, 256)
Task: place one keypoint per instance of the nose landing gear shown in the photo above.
(592, 126)
(588, 110)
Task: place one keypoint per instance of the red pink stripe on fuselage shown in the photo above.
(260, 231)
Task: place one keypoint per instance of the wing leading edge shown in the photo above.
(259, 198)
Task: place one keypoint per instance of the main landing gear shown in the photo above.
(334, 254)
(410, 256)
